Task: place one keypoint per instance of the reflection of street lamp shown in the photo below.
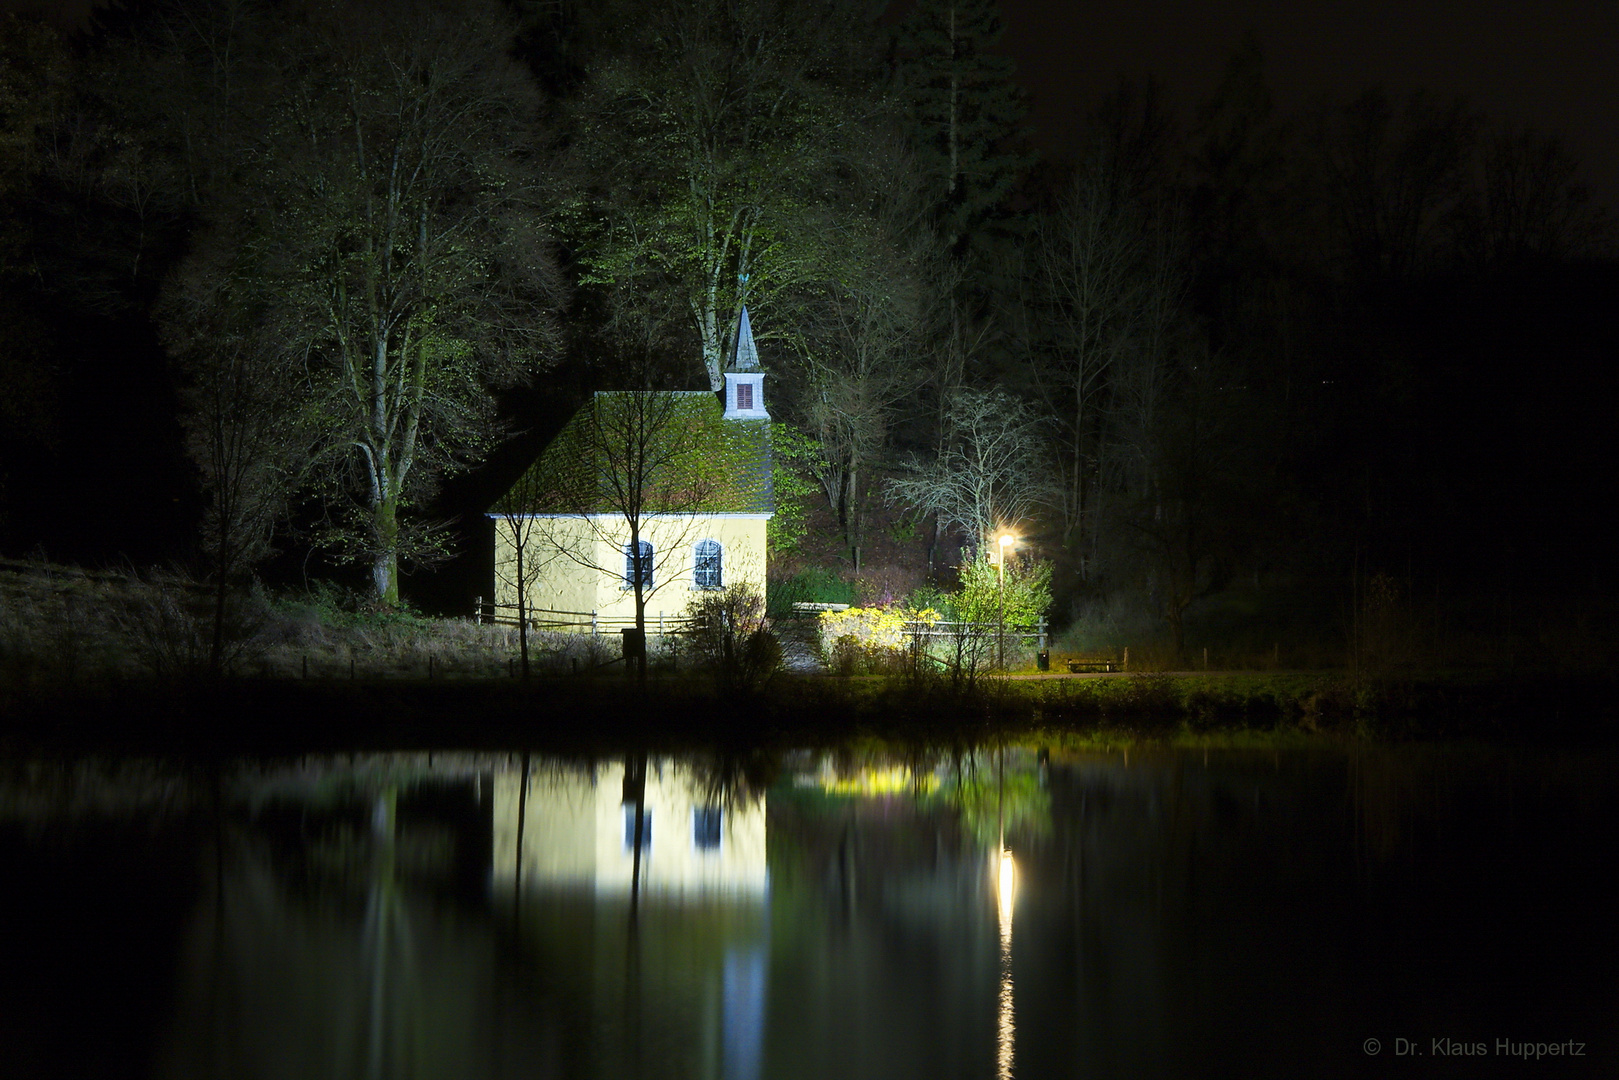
(1007, 540)
(1005, 881)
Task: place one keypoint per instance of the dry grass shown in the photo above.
(62, 625)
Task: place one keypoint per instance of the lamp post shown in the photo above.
(1007, 540)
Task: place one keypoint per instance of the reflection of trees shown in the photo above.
(995, 798)
(735, 778)
(312, 956)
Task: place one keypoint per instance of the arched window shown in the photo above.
(644, 570)
(708, 565)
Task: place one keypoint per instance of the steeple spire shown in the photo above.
(746, 357)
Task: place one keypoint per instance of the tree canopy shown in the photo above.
(710, 148)
(387, 231)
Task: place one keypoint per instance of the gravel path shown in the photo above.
(799, 651)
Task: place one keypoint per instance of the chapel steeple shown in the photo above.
(745, 380)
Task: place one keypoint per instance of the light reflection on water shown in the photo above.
(846, 914)
(1006, 883)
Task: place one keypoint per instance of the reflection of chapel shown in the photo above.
(579, 830)
(722, 544)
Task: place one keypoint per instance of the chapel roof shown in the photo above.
(696, 460)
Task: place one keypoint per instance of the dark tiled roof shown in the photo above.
(697, 461)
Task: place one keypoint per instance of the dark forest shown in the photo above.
(1264, 375)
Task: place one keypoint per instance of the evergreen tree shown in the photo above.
(965, 113)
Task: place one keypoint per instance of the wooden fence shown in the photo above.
(589, 622)
(592, 622)
(952, 630)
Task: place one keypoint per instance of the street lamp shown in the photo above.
(1007, 540)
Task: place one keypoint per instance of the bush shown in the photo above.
(874, 626)
(1024, 596)
(873, 641)
(848, 655)
(732, 638)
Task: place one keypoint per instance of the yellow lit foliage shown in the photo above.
(874, 627)
(894, 780)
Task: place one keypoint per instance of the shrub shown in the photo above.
(1023, 597)
(849, 655)
(874, 627)
(732, 638)
(873, 641)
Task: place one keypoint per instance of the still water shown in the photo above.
(985, 912)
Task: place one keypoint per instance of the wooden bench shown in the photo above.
(1082, 664)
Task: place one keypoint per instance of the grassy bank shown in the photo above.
(593, 714)
(114, 660)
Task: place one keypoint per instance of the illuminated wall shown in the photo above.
(557, 582)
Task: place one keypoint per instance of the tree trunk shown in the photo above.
(708, 330)
(518, 545)
(851, 521)
(640, 572)
(216, 647)
(385, 563)
(1175, 611)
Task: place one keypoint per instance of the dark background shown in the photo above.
(1476, 448)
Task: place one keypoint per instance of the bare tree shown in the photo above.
(514, 512)
(1194, 508)
(1084, 265)
(629, 464)
(249, 447)
(865, 340)
(1394, 178)
(992, 473)
(860, 361)
(1529, 204)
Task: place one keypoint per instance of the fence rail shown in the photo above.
(952, 630)
(593, 622)
(487, 611)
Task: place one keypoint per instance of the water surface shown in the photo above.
(979, 912)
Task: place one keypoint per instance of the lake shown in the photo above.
(869, 911)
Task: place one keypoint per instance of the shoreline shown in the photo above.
(568, 714)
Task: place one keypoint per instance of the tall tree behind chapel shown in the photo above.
(966, 115)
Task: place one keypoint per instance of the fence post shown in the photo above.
(1127, 658)
(1042, 633)
(593, 630)
(477, 610)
